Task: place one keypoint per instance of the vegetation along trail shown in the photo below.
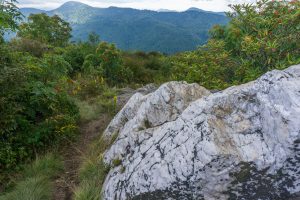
(57, 94)
(73, 154)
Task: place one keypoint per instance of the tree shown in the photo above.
(9, 15)
(50, 30)
(94, 39)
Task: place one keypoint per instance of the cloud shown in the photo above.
(212, 5)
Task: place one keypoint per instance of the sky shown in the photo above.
(179, 5)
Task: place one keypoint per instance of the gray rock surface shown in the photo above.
(182, 142)
(126, 93)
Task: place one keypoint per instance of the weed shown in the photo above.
(117, 162)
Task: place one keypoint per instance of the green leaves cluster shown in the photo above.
(259, 37)
(49, 30)
(211, 66)
(268, 34)
(35, 112)
(41, 72)
(9, 15)
(107, 62)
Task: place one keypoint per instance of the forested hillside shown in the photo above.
(145, 30)
(50, 86)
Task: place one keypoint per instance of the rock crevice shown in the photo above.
(182, 142)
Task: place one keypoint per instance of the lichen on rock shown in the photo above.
(182, 142)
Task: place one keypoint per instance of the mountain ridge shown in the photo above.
(133, 29)
(78, 4)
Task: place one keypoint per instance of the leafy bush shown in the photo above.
(262, 36)
(33, 47)
(211, 66)
(93, 97)
(75, 55)
(259, 37)
(45, 29)
(9, 15)
(87, 86)
(106, 61)
(34, 114)
(145, 67)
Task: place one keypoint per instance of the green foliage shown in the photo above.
(211, 66)
(106, 62)
(86, 86)
(33, 47)
(35, 183)
(9, 14)
(259, 37)
(35, 113)
(111, 63)
(90, 64)
(92, 104)
(77, 54)
(262, 36)
(49, 30)
(145, 67)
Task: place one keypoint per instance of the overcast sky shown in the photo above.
(179, 5)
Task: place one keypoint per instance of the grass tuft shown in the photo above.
(92, 108)
(36, 182)
(33, 188)
(88, 191)
(47, 166)
(93, 172)
(88, 111)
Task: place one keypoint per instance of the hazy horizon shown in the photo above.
(177, 5)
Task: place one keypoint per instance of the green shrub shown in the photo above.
(87, 86)
(211, 66)
(259, 37)
(75, 55)
(262, 36)
(145, 67)
(106, 61)
(34, 112)
(46, 29)
(33, 47)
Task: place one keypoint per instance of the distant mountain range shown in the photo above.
(131, 29)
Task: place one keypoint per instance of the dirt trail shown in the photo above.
(72, 154)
